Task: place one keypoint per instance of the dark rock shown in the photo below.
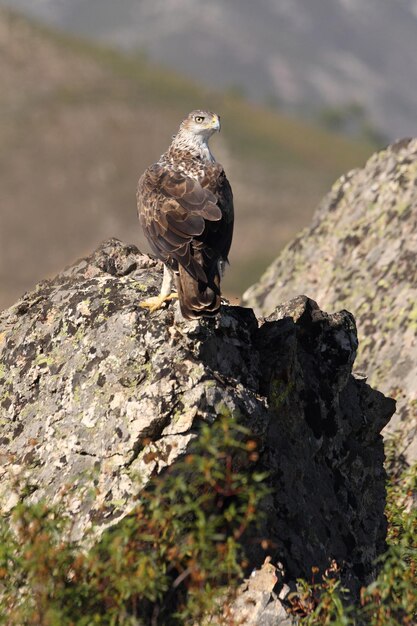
(320, 414)
(96, 392)
(360, 253)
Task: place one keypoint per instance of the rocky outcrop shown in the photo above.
(90, 384)
(360, 254)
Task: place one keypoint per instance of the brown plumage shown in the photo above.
(185, 207)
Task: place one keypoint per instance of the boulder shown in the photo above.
(360, 253)
(97, 395)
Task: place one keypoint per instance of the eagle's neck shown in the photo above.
(193, 145)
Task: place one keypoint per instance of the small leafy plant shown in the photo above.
(172, 560)
(391, 600)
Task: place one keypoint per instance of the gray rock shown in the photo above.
(360, 253)
(256, 603)
(91, 384)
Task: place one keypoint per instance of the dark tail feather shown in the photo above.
(198, 299)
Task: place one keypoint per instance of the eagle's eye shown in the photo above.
(199, 119)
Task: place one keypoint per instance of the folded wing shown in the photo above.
(189, 226)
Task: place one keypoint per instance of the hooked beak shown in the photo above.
(215, 124)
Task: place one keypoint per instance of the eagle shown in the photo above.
(185, 207)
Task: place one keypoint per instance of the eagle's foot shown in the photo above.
(156, 302)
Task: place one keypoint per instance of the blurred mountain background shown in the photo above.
(92, 92)
(345, 62)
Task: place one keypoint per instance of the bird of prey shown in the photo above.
(185, 206)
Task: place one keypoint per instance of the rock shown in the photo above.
(257, 604)
(360, 254)
(306, 363)
(91, 384)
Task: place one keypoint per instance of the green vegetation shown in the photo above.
(391, 600)
(173, 559)
(178, 556)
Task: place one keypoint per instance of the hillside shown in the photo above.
(80, 122)
(307, 56)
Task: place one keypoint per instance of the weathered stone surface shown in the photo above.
(257, 604)
(329, 497)
(90, 384)
(360, 254)
(87, 378)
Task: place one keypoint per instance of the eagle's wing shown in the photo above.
(218, 235)
(174, 210)
(189, 226)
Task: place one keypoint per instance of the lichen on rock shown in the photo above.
(359, 253)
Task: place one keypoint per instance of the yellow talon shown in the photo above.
(156, 302)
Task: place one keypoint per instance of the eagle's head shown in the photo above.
(201, 123)
(194, 133)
